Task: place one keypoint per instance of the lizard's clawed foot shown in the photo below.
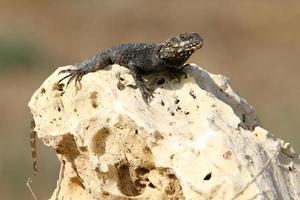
(74, 74)
(146, 94)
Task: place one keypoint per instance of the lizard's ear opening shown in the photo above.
(174, 42)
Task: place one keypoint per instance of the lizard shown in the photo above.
(141, 59)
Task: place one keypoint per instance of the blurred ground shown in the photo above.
(255, 43)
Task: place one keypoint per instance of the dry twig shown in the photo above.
(29, 187)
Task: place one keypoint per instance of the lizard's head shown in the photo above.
(181, 47)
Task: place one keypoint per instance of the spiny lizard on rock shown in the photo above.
(141, 59)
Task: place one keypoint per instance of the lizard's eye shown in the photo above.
(183, 37)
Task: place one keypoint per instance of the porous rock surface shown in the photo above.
(197, 139)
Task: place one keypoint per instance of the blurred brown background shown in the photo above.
(255, 43)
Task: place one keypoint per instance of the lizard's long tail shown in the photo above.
(33, 147)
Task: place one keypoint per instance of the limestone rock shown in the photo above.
(197, 139)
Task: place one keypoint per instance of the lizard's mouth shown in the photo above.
(193, 46)
(190, 48)
(198, 45)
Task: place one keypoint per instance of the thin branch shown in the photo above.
(252, 180)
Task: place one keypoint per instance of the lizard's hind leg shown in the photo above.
(74, 74)
(92, 64)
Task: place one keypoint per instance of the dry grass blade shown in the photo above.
(29, 187)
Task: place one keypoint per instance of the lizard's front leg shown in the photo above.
(74, 74)
(176, 73)
(140, 83)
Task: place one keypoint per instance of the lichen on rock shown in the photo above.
(197, 139)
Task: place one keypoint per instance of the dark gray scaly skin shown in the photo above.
(141, 59)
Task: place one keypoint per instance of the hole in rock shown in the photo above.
(172, 176)
(43, 91)
(77, 181)
(83, 148)
(140, 171)
(208, 176)
(173, 189)
(227, 155)
(244, 118)
(151, 185)
(58, 86)
(105, 193)
(99, 141)
(68, 147)
(192, 93)
(93, 98)
(170, 190)
(178, 108)
(120, 86)
(128, 183)
(147, 150)
(158, 136)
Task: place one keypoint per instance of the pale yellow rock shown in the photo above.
(197, 139)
